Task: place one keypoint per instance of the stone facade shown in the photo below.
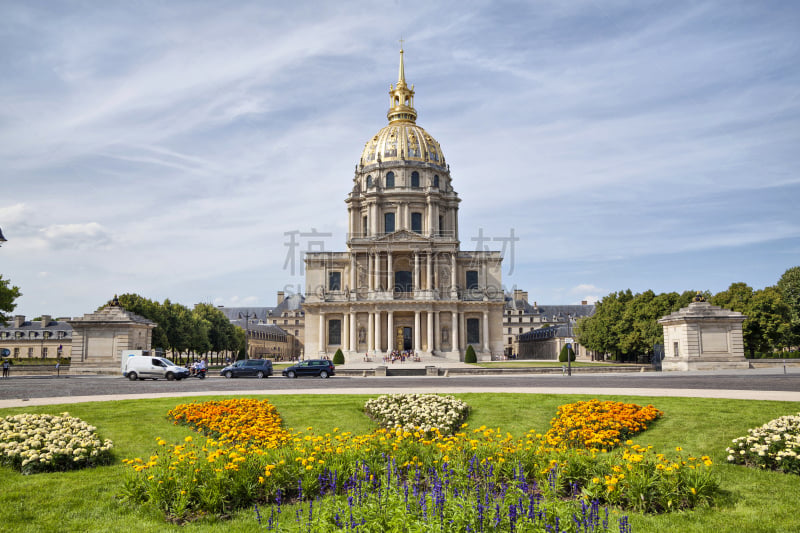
(287, 315)
(99, 338)
(540, 331)
(703, 337)
(45, 338)
(403, 283)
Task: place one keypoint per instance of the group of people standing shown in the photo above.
(398, 355)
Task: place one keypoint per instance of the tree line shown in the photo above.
(625, 325)
(186, 332)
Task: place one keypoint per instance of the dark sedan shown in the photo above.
(257, 368)
(312, 367)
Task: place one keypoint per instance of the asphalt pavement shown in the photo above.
(756, 384)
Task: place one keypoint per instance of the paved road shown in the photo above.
(757, 384)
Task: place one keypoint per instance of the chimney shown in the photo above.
(521, 295)
(19, 320)
(46, 319)
(280, 297)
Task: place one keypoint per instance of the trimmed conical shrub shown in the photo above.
(562, 357)
(469, 356)
(338, 357)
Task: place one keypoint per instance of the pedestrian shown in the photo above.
(6, 368)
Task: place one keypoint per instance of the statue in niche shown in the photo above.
(446, 335)
(362, 277)
(444, 277)
(362, 335)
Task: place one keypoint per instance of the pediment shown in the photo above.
(403, 236)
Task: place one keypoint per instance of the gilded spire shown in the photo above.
(401, 77)
(401, 97)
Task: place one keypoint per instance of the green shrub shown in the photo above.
(469, 356)
(562, 357)
(338, 357)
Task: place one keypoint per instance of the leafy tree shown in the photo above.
(768, 317)
(8, 293)
(469, 355)
(338, 357)
(789, 287)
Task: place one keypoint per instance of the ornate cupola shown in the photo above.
(401, 98)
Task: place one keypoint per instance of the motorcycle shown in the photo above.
(201, 374)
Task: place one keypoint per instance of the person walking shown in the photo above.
(6, 368)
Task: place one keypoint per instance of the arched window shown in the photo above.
(390, 180)
(369, 182)
(416, 222)
(415, 179)
(436, 181)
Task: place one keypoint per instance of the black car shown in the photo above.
(258, 368)
(311, 367)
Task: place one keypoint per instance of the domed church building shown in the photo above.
(403, 284)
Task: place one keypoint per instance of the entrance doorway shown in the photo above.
(408, 344)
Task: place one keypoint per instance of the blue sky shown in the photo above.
(167, 148)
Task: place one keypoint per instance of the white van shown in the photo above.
(138, 364)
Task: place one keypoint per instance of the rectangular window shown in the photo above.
(30, 352)
(44, 351)
(675, 349)
(473, 331)
(416, 222)
(388, 222)
(334, 331)
(16, 353)
(472, 279)
(441, 226)
(364, 229)
(334, 282)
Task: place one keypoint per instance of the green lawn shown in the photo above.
(756, 501)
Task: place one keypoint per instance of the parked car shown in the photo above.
(145, 367)
(256, 368)
(311, 367)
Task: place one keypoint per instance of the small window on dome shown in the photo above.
(369, 182)
(436, 181)
(415, 179)
(390, 180)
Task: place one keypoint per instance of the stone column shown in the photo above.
(345, 332)
(417, 325)
(416, 271)
(390, 331)
(353, 332)
(370, 331)
(389, 272)
(430, 331)
(378, 343)
(370, 267)
(486, 331)
(429, 273)
(353, 263)
(322, 347)
(377, 272)
(453, 271)
(454, 343)
(437, 330)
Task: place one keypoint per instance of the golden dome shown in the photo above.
(402, 139)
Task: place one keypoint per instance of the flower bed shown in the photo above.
(418, 411)
(47, 443)
(774, 446)
(201, 476)
(241, 421)
(598, 425)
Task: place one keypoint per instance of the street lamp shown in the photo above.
(569, 347)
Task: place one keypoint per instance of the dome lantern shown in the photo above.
(401, 98)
